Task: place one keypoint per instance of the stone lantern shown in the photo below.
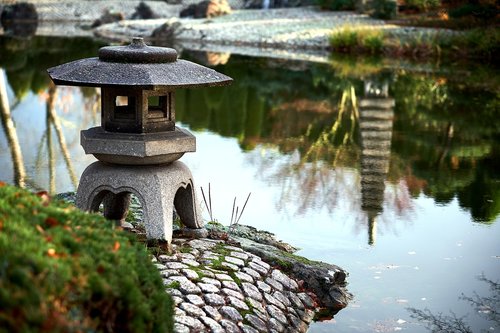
(138, 144)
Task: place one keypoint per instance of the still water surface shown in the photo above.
(408, 203)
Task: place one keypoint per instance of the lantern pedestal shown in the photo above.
(158, 187)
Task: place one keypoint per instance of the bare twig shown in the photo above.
(209, 208)
(238, 220)
(232, 213)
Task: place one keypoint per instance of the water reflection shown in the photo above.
(305, 135)
(11, 134)
(312, 112)
(487, 307)
(376, 111)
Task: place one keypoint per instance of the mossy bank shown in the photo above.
(62, 270)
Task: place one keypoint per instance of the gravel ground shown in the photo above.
(292, 33)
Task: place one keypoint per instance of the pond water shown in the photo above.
(408, 204)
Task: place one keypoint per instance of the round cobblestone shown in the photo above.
(230, 313)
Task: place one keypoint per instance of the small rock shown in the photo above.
(168, 272)
(191, 309)
(231, 285)
(276, 313)
(296, 322)
(186, 256)
(284, 280)
(160, 266)
(306, 299)
(179, 328)
(308, 315)
(244, 277)
(232, 293)
(248, 329)
(234, 248)
(207, 273)
(256, 305)
(165, 258)
(201, 244)
(262, 270)
(222, 276)
(235, 261)
(179, 312)
(237, 303)
(276, 325)
(275, 284)
(175, 265)
(264, 287)
(190, 262)
(240, 255)
(280, 297)
(297, 303)
(253, 273)
(212, 324)
(212, 312)
(271, 300)
(230, 313)
(211, 281)
(186, 287)
(195, 299)
(177, 300)
(208, 288)
(262, 315)
(251, 291)
(191, 322)
(190, 274)
(214, 299)
(229, 265)
(229, 326)
(256, 322)
(261, 263)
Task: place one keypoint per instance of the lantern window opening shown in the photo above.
(125, 108)
(160, 105)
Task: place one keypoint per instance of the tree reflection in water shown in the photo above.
(488, 307)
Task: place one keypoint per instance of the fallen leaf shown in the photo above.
(51, 222)
(44, 195)
(116, 246)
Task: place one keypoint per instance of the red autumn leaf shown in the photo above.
(2, 184)
(116, 246)
(44, 195)
(100, 269)
(51, 222)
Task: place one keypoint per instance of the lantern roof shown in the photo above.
(136, 65)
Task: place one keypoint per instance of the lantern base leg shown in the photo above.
(159, 189)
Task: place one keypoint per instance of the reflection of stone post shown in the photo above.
(10, 132)
(376, 116)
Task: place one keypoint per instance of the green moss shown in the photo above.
(173, 285)
(284, 265)
(221, 249)
(185, 249)
(235, 278)
(198, 271)
(156, 247)
(64, 270)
